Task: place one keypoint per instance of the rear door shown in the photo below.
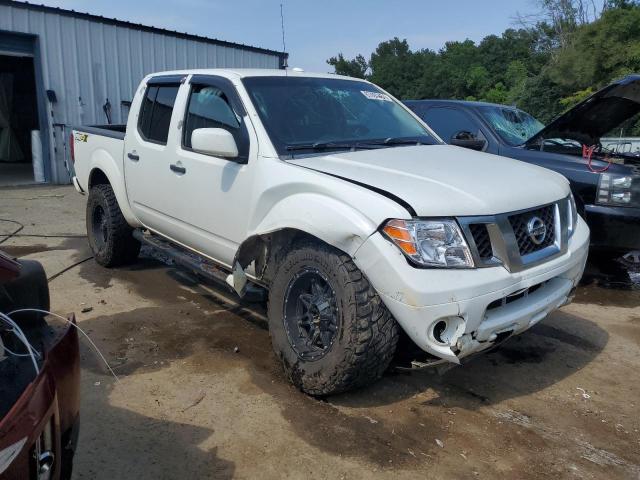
(148, 156)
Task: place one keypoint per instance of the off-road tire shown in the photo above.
(365, 341)
(117, 246)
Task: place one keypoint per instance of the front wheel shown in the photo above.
(328, 325)
(110, 236)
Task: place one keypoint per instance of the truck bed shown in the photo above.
(99, 146)
(113, 131)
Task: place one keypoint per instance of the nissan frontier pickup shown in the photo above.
(339, 203)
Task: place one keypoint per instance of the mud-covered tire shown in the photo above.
(110, 236)
(365, 339)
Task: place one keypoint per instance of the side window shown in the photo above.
(209, 107)
(448, 121)
(155, 112)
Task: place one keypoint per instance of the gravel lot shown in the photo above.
(200, 394)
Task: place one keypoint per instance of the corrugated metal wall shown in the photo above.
(86, 60)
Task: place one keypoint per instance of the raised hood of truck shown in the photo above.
(599, 114)
(442, 180)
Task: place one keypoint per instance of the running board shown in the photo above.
(198, 264)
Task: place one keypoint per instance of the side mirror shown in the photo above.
(468, 140)
(214, 141)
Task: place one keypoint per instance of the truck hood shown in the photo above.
(592, 118)
(443, 180)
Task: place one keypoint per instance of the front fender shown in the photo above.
(326, 218)
(102, 160)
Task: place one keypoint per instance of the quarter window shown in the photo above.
(209, 107)
(155, 112)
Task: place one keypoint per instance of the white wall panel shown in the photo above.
(85, 60)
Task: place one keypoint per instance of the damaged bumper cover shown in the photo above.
(454, 313)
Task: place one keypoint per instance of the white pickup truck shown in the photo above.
(333, 197)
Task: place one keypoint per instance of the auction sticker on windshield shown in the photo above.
(376, 96)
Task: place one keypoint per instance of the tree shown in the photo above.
(395, 67)
(569, 51)
(560, 18)
(356, 67)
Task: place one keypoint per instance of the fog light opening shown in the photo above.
(446, 331)
(439, 328)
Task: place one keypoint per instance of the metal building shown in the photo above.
(60, 68)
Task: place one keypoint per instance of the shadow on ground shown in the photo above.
(163, 449)
(549, 352)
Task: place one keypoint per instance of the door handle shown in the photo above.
(133, 156)
(177, 168)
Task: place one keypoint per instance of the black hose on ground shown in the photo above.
(66, 269)
(12, 234)
(21, 226)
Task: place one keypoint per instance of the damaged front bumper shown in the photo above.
(454, 313)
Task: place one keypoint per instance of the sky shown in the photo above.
(317, 30)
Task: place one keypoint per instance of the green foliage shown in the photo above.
(496, 94)
(353, 68)
(544, 69)
(573, 100)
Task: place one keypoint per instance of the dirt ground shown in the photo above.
(201, 396)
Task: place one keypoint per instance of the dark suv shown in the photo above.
(596, 145)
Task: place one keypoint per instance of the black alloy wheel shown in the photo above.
(310, 314)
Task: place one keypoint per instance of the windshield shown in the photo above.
(303, 113)
(514, 126)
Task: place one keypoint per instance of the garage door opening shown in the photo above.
(18, 119)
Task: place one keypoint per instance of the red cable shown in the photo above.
(587, 154)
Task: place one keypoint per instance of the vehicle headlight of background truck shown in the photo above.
(430, 243)
(619, 190)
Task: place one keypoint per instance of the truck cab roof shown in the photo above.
(252, 72)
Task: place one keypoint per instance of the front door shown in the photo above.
(215, 191)
(448, 121)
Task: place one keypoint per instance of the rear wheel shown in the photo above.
(328, 326)
(110, 236)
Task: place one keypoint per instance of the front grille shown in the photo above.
(483, 242)
(510, 243)
(519, 224)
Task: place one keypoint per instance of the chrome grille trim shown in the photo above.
(504, 245)
(519, 224)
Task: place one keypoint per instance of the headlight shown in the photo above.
(620, 190)
(430, 243)
(573, 215)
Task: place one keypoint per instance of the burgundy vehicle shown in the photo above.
(39, 412)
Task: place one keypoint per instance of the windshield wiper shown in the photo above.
(319, 146)
(367, 144)
(393, 141)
